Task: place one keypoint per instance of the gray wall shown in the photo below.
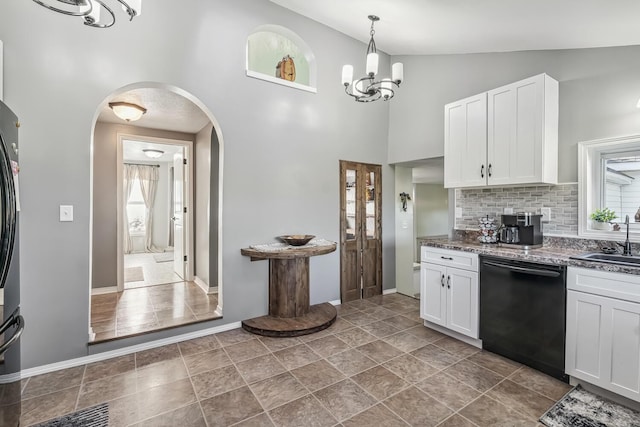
(202, 201)
(599, 89)
(281, 148)
(431, 210)
(105, 152)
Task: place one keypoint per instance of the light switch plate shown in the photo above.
(66, 213)
(546, 214)
(507, 211)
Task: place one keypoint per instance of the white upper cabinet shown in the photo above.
(465, 148)
(516, 144)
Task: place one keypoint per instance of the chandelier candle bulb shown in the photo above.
(347, 74)
(372, 64)
(397, 72)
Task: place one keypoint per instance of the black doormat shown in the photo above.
(96, 416)
(580, 408)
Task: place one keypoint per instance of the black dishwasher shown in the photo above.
(522, 312)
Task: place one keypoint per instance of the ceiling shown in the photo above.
(166, 110)
(132, 151)
(426, 27)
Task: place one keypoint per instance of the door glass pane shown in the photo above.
(371, 205)
(351, 203)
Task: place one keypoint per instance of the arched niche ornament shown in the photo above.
(278, 55)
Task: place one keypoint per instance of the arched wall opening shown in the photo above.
(206, 208)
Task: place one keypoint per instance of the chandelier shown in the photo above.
(367, 88)
(91, 10)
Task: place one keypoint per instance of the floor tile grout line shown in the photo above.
(248, 386)
(511, 407)
(195, 392)
(84, 371)
(355, 347)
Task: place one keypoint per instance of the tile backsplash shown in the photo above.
(562, 199)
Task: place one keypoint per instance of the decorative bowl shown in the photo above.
(296, 239)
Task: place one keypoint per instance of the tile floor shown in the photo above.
(154, 273)
(140, 310)
(376, 366)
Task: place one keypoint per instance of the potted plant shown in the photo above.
(602, 218)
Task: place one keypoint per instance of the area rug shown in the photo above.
(96, 416)
(580, 408)
(163, 257)
(133, 274)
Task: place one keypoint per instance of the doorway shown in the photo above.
(360, 230)
(155, 214)
(173, 117)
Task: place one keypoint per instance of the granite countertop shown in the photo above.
(547, 254)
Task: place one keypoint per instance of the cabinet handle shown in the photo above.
(489, 170)
(448, 282)
(442, 280)
(447, 257)
(482, 171)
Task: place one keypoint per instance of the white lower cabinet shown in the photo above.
(603, 331)
(449, 295)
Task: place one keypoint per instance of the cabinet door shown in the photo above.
(515, 132)
(603, 342)
(624, 374)
(433, 293)
(465, 142)
(584, 358)
(462, 301)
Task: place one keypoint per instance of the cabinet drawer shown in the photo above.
(450, 258)
(614, 285)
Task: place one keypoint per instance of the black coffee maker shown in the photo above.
(522, 229)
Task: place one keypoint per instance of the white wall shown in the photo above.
(281, 149)
(160, 230)
(405, 241)
(599, 89)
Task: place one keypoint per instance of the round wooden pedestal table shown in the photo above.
(290, 314)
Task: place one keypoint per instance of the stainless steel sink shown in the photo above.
(610, 258)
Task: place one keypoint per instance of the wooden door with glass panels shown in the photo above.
(360, 230)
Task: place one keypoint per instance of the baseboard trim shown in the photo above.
(389, 291)
(198, 281)
(98, 357)
(335, 302)
(105, 290)
(471, 341)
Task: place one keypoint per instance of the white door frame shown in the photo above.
(188, 202)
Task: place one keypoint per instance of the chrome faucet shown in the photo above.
(627, 243)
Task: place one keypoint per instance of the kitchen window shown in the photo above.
(609, 177)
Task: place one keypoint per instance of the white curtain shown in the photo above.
(148, 176)
(129, 175)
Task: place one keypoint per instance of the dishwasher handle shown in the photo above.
(525, 270)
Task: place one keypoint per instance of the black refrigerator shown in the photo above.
(12, 323)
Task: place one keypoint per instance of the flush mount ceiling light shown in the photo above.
(152, 154)
(368, 89)
(127, 111)
(91, 10)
